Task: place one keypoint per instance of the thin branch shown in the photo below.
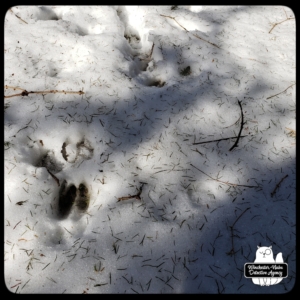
(54, 177)
(151, 51)
(232, 252)
(242, 124)
(281, 92)
(195, 35)
(225, 182)
(200, 38)
(137, 196)
(277, 185)
(13, 87)
(18, 16)
(233, 123)
(224, 139)
(26, 93)
(287, 19)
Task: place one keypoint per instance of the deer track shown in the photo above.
(76, 153)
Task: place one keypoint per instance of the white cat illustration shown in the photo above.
(265, 255)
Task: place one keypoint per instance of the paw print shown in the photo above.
(68, 195)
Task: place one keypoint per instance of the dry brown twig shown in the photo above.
(232, 251)
(54, 177)
(278, 185)
(26, 93)
(282, 91)
(18, 16)
(151, 51)
(225, 182)
(287, 19)
(137, 196)
(241, 129)
(224, 139)
(195, 35)
(200, 38)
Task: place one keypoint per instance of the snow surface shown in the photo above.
(137, 122)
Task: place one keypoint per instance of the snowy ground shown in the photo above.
(156, 82)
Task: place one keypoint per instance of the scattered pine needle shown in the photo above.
(291, 132)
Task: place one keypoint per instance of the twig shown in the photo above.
(225, 182)
(278, 184)
(13, 87)
(26, 93)
(18, 16)
(151, 51)
(281, 92)
(54, 177)
(100, 284)
(242, 124)
(195, 35)
(224, 139)
(137, 196)
(129, 197)
(17, 224)
(287, 19)
(232, 252)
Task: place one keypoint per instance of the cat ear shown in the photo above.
(270, 247)
(258, 247)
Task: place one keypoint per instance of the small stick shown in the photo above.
(18, 16)
(26, 93)
(225, 182)
(129, 197)
(224, 139)
(278, 184)
(137, 196)
(242, 124)
(151, 51)
(287, 19)
(195, 35)
(17, 224)
(54, 177)
(281, 92)
(232, 252)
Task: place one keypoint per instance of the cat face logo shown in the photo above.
(265, 270)
(265, 255)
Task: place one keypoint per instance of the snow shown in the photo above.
(135, 129)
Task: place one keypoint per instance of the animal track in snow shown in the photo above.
(77, 152)
(34, 152)
(70, 196)
(141, 61)
(66, 199)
